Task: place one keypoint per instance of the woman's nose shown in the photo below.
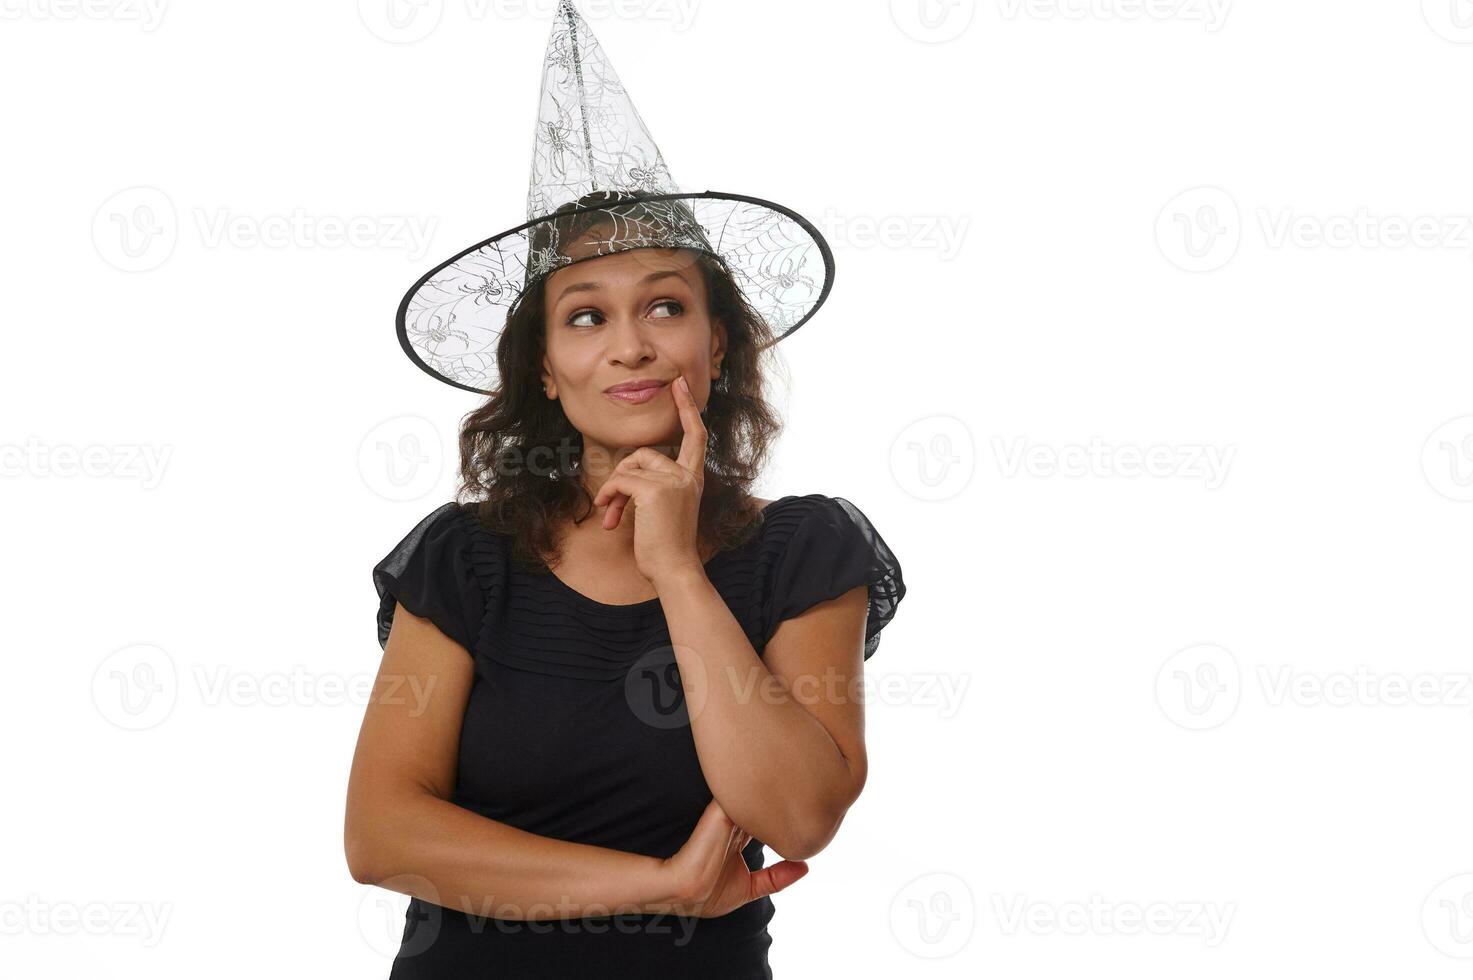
(629, 339)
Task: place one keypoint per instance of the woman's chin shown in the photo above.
(655, 432)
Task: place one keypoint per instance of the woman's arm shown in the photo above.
(402, 833)
(781, 736)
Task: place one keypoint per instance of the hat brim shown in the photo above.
(450, 321)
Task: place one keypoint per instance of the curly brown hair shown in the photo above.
(518, 450)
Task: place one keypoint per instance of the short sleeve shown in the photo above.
(825, 549)
(432, 574)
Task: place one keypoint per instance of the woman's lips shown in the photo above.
(639, 395)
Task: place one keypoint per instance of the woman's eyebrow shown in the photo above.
(582, 287)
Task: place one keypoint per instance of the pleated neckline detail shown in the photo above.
(534, 621)
(644, 605)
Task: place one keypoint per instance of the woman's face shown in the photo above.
(630, 316)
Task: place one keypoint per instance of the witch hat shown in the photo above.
(600, 185)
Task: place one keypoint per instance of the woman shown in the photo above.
(613, 678)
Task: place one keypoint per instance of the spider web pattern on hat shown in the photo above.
(600, 185)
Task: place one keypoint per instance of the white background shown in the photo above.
(1114, 231)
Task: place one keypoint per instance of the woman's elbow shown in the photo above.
(363, 863)
(807, 837)
(367, 832)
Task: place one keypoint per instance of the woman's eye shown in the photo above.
(679, 309)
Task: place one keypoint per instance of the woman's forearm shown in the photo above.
(435, 850)
(774, 768)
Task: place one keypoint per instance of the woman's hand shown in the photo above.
(709, 876)
(665, 495)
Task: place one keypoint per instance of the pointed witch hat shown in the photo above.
(599, 186)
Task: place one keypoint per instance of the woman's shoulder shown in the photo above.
(794, 507)
(820, 546)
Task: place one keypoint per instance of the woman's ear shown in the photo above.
(718, 348)
(549, 387)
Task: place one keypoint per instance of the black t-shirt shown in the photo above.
(576, 727)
